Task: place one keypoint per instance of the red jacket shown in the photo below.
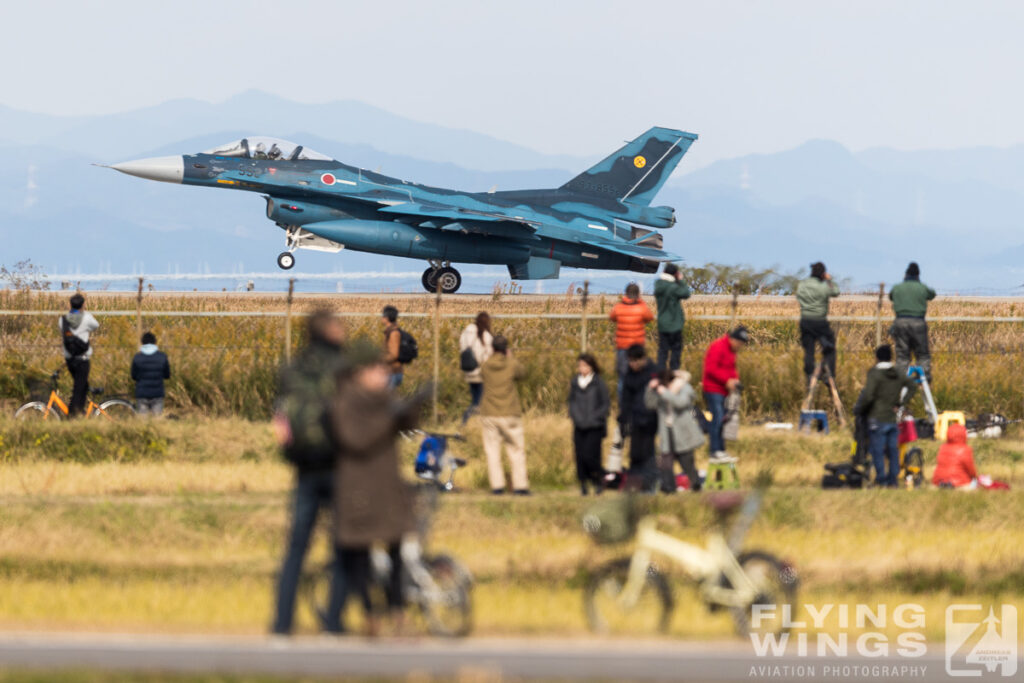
(955, 461)
(719, 366)
(630, 318)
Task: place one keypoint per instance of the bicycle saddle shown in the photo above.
(725, 501)
(95, 390)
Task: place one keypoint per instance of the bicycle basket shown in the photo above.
(612, 520)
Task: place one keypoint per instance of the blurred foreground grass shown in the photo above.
(178, 526)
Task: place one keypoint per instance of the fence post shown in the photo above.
(437, 347)
(735, 304)
(878, 315)
(288, 322)
(138, 310)
(583, 318)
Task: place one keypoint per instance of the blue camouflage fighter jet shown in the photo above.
(589, 222)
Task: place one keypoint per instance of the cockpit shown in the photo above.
(261, 147)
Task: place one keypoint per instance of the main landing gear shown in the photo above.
(443, 274)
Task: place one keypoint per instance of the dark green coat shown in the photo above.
(910, 299)
(305, 388)
(668, 292)
(881, 394)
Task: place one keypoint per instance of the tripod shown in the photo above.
(823, 375)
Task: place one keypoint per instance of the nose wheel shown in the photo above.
(285, 260)
(449, 279)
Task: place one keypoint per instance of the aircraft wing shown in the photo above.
(456, 219)
(649, 253)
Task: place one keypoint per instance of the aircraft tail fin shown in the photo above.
(636, 172)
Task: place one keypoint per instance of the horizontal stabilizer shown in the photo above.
(648, 253)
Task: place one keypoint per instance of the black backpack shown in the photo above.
(408, 349)
(467, 360)
(73, 344)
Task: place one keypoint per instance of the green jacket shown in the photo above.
(813, 294)
(668, 292)
(501, 399)
(881, 394)
(910, 299)
(305, 388)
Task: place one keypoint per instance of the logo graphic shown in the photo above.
(639, 161)
(327, 179)
(976, 644)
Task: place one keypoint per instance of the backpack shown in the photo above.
(408, 349)
(467, 360)
(73, 344)
(304, 404)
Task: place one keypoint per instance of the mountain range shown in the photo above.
(866, 214)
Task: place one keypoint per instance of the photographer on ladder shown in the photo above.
(813, 295)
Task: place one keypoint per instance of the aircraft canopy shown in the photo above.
(261, 147)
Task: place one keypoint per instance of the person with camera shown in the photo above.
(638, 421)
(475, 347)
(669, 291)
(501, 419)
(885, 391)
(679, 435)
(76, 328)
(813, 295)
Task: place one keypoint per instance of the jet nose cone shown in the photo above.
(166, 169)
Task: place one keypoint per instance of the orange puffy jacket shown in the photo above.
(955, 462)
(630, 317)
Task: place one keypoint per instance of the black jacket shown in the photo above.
(589, 408)
(633, 412)
(149, 370)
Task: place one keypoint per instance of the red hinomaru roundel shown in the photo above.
(327, 179)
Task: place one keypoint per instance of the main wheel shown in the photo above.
(450, 280)
(36, 410)
(429, 279)
(116, 409)
(913, 466)
(285, 260)
(606, 614)
(776, 584)
(448, 610)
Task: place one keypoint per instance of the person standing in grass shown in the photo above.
(720, 380)
(372, 503)
(76, 328)
(883, 395)
(813, 295)
(910, 330)
(638, 421)
(301, 426)
(669, 292)
(392, 344)
(476, 344)
(679, 435)
(501, 418)
(589, 407)
(630, 316)
(150, 368)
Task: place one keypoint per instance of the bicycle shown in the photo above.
(54, 407)
(438, 586)
(631, 593)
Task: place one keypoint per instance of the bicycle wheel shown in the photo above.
(606, 613)
(115, 409)
(776, 584)
(913, 466)
(36, 410)
(447, 606)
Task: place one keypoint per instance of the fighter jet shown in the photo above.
(589, 222)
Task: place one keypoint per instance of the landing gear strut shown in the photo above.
(285, 260)
(449, 278)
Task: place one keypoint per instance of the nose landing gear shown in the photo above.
(285, 260)
(443, 274)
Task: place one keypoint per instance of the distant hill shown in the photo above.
(866, 214)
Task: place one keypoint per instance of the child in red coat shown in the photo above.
(954, 465)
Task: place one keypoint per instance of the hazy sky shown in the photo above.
(555, 75)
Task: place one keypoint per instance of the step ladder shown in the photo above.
(721, 476)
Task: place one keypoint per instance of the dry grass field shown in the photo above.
(177, 526)
(226, 366)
